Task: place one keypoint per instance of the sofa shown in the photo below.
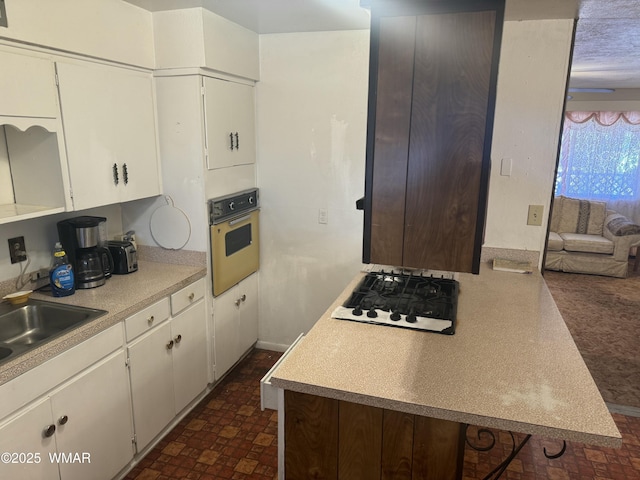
(585, 237)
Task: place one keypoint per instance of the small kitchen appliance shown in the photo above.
(235, 247)
(407, 300)
(83, 240)
(125, 257)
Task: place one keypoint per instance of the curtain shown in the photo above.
(599, 160)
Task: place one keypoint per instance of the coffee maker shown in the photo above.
(84, 240)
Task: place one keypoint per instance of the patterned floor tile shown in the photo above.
(228, 437)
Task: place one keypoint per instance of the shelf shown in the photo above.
(13, 212)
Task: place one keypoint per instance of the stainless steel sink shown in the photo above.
(27, 326)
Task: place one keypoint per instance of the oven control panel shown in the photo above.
(223, 208)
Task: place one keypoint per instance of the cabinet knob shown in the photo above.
(192, 296)
(170, 345)
(178, 338)
(63, 420)
(48, 431)
(116, 180)
(238, 302)
(243, 297)
(150, 320)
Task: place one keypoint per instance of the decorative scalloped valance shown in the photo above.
(25, 123)
(606, 119)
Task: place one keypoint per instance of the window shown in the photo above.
(599, 156)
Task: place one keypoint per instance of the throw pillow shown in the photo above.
(620, 226)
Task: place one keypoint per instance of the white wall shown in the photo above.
(311, 119)
(531, 83)
(312, 129)
(109, 29)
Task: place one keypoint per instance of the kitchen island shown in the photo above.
(511, 365)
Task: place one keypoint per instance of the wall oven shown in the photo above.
(235, 245)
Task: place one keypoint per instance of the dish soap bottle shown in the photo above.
(61, 274)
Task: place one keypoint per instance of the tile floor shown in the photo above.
(228, 437)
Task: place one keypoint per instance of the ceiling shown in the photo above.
(607, 45)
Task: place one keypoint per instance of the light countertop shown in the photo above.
(512, 364)
(121, 296)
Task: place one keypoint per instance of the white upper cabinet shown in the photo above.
(196, 37)
(28, 86)
(31, 139)
(109, 125)
(230, 123)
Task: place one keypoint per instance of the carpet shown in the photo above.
(603, 316)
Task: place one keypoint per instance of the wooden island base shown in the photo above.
(334, 439)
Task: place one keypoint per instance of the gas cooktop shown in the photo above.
(405, 300)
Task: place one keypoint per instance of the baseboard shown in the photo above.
(274, 347)
(624, 410)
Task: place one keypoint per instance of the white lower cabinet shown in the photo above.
(235, 323)
(189, 334)
(25, 434)
(168, 362)
(151, 384)
(81, 430)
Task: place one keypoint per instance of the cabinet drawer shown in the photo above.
(146, 319)
(187, 296)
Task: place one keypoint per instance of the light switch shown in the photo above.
(505, 167)
(323, 216)
(535, 215)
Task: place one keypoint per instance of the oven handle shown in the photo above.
(236, 221)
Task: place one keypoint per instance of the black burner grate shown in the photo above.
(405, 295)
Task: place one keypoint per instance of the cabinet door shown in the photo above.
(150, 366)
(446, 189)
(93, 422)
(28, 86)
(230, 123)
(226, 331)
(109, 124)
(248, 322)
(25, 434)
(190, 370)
(392, 123)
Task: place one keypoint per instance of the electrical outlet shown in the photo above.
(17, 250)
(535, 215)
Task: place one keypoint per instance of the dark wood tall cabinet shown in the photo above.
(432, 86)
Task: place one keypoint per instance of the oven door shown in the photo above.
(235, 251)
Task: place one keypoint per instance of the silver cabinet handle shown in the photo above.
(236, 221)
(48, 431)
(240, 300)
(178, 338)
(237, 141)
(125, 173)
(63, 419)
(231, 138)
(150, 320)
(170, 345)
(116, 180)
